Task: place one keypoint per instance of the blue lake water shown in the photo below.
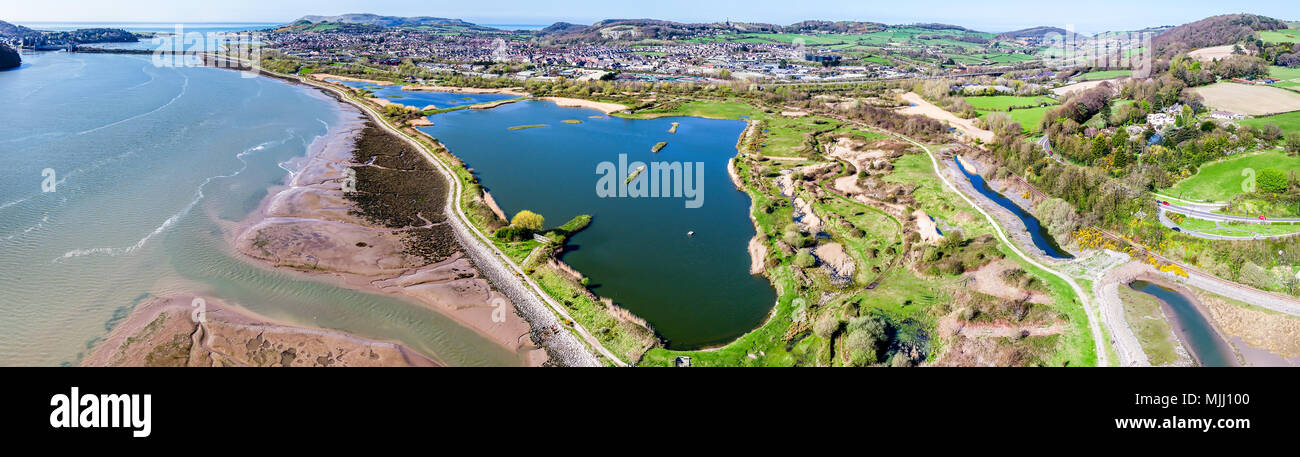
(422, 99)
(153, 165)
(1191, 326)
(1042, 240)
(695, 290)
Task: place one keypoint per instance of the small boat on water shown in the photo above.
(690, 233)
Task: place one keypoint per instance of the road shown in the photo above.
(1203, 214)
(1216, 285)
(1165, 221)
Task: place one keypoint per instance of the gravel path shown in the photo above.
(1106, 290)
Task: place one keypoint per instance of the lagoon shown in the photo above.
(695, 289)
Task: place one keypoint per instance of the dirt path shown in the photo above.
(927, 109)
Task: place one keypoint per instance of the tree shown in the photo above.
(866, 337)
(1271, 180)
(528, 220)
(1293, 143)
(827, 324)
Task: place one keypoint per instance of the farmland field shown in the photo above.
(870, 45)
(1284, 73)
(1220, 181)
(1280, 36)
(1290, 77)
(1105, 74)
(1028, 118)
(1004, 102)
(1249, 99)
(1289, 122)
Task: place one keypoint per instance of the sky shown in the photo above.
(985, 15)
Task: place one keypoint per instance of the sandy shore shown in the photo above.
(311, 228)
(323, 77)
(603, 107)
(757, 249)
(490, 105)
(516, 91)
(175, 332)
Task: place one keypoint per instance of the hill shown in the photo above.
(1040, 33)
(1212, 31)
(630, 30)
(385, 21)
(834, 27)
(561, 28)
(9, 58)
(8, 30)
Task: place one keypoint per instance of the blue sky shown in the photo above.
(988, 15)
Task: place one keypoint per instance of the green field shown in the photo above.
(1105, 74)
(1268, 229)
(1004, 102)
(1284, 73)
(1280, 36)
(1290, 77)
(1199, 225)
(1028, 118)
(1289, 122)
(1220, 181)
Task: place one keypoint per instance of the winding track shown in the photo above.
(1098, 338)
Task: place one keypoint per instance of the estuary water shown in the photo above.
(684, 269)
(1191, 326)
(146, 165)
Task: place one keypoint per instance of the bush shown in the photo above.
(511, 233)
(867, 336)
(1271, 180)
(805, 259)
